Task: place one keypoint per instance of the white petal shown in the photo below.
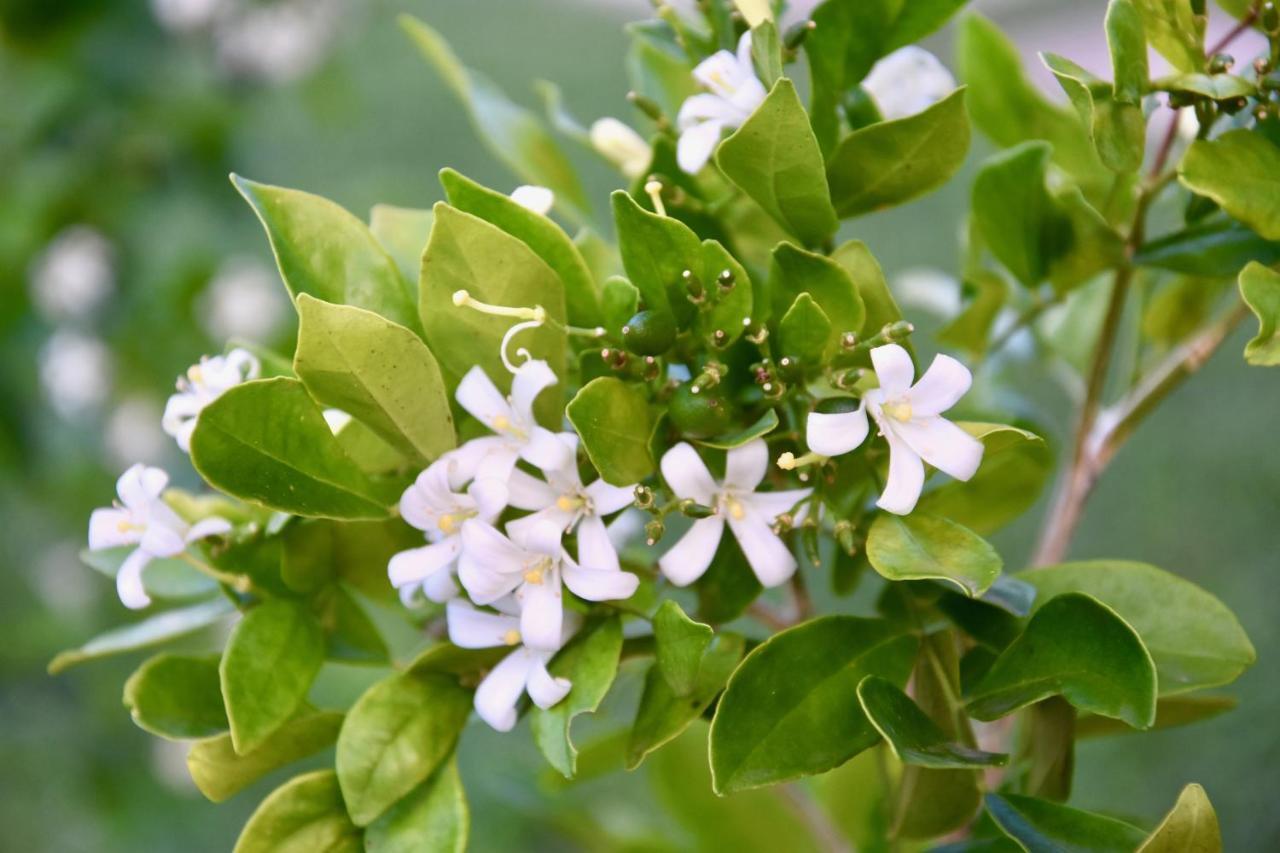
(545, 450)
(520, 529)
(907, 81)
(140, 486)
(129, 580)
(497, 465)
(490, 566)
(545, 689)
(481, 398)
(490, 496)
(595, 550)
(417, 564)
(599, 584)
(745, 466)
(245, 363)
(206, 527)
(541, 612)
(497, 695)
(607, 499)
(745, 64)
(529, 493)
(160, 540)
(530, 380)
(718, 72)
(766, 553)
(540, 537)
(465, 460)
(441, 587)
(893, 369)
(470, 628)
(836, 434)
(535, 198)
(687, 474)
(110, 527)
(941, 387)
(688, 559)
(706, 107)
(906, 478)
(696, 144)
(943, 445)
(770, 505)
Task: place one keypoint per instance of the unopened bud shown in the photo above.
(897, 331)
(809, 540)
(647, 106)
(693, 287)
(849, 340)
(796, 34)
(1270, 18)
(1220, 63)
(653, 531)
(849, 378)
(784, 523)
(844, 537)
(644, 498)
(725, 280)
(693, 509)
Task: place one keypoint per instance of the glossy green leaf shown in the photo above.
(926, 547)
(1219, 87)
(613, 420)
(1240, 170)
(767, 423)
(620, 300)
(402, 232)
(547, 240)
(791, 709)
(1260, 290)
(1175, 30)
(434, 817)
(893, 162)
(267, 442)
(377, 372)
(656, 250)
(680, 644)
(774, 158)
(1080, 649)
(395, 737)
(1016, 464)
(1209, 249)
(176, 697)
(1191, 827)
(513, 135)
(323, 250)
(794, 271)
(913, 737)
(148, 632)
(726, 316)
(220, 772)
(271, 659)
(1127, 43)
(805, 333)
(303, 815)
(1194, 639)
(590, 662)
(1044, 827)
(1171, 712)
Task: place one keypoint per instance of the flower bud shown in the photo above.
(693, 509)
(649, 332)
(693, 287)
(1270, 18)
(644, 497)
(1220, 63)
(897, 331)
(653, 531)
(621, 146)
(725, 280)
(647, 106)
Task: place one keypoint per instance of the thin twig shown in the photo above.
(1244, 24)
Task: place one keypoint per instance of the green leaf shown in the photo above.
(1080, 649)
(862, 267)
(1171, 712)
(323, 250)
(1210, 249)
(176, 697)
(621, 301)
(1044, 827)
(151, 631)
(433, 818)
(766, 49)
(793, 271)
(790, 709)
(1117, 128)
(613, 420)
(656, 250)
(767, 423)
(1047, 750)
(913, 737)
(1175, 31)
(540, 234)
(774, 158)
(1194, 639)
(970, 330)
(1015, 467)
(403, 232)
(805, 333)
(513, 135)
(1219, 87)
(925, 547)
(350, 635)
(1127, 43)
(267, 442)
(680, 644)
(590, 662)
(728, 585)
(271, 659)
(166, 578)
(727, 314)
(1260, 290)
(376, 371)
(1240, 170)
(658, 69)
(1014, 212)
(1191, 827)
(893, 162)
(303, 815)
(220, 772)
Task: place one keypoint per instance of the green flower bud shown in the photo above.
(702, 415)
(693, 509)
(650, 332)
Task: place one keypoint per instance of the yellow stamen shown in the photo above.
(533, 576)
(194, 373)
(568, 503)
(501, 423)
(654, 191)
(899, 410)
(736, 510)
(512, 637)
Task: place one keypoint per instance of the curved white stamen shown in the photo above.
(521, 352)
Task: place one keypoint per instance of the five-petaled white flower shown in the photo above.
(142, 518)
(750, 513)
(734, 94)
(437, 505)
(525, 669)
(202, 384)
(909, 417)
(531, 568)
(621, 146)
(533, 197)
(907, 81)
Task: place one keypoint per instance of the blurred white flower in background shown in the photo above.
(907, 81)
(75, 373)
(244, 299)
(57, 576)
(73, 276)
(274, 42)
(621, 145)
(133, 432)
(533, 197)
(184, 16)
(928, 289)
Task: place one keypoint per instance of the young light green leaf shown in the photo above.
(1175, 30)
(793, 271)
(1260, 290)
(1016, 464)
(403, 232)
(913, 737)
(680, 644)
(1040, 826)
(656, 250)
(613, 420)
(805, 334)
(1240, 170)
(220, 772)
(1080, 649)
(151, 631)
(1191, 827)
(271, 659)
(434, 817)
(395, 737)
(790, 708)
(303, 815)
(590, 662)
(267, 442)
(1194, 639)
(323, 250)
(1127, 43)
(925, 547)
(766, 424)
(177, 697)
(893, 162)
(774, 158)
(377, 372)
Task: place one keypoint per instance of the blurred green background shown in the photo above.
(125, 254)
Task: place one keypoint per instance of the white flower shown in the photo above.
(493, 567)
(202, 384)
(734, 94)
(525, 669)
(907, 81)
(535, 198)
(183, 16)
(142, 518)
(436, 505)
(750, 513)
(909, 417)
(621, 146)
(73, 275)
(566, 503)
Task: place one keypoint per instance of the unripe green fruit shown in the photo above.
(649, 333)
(702, 415)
